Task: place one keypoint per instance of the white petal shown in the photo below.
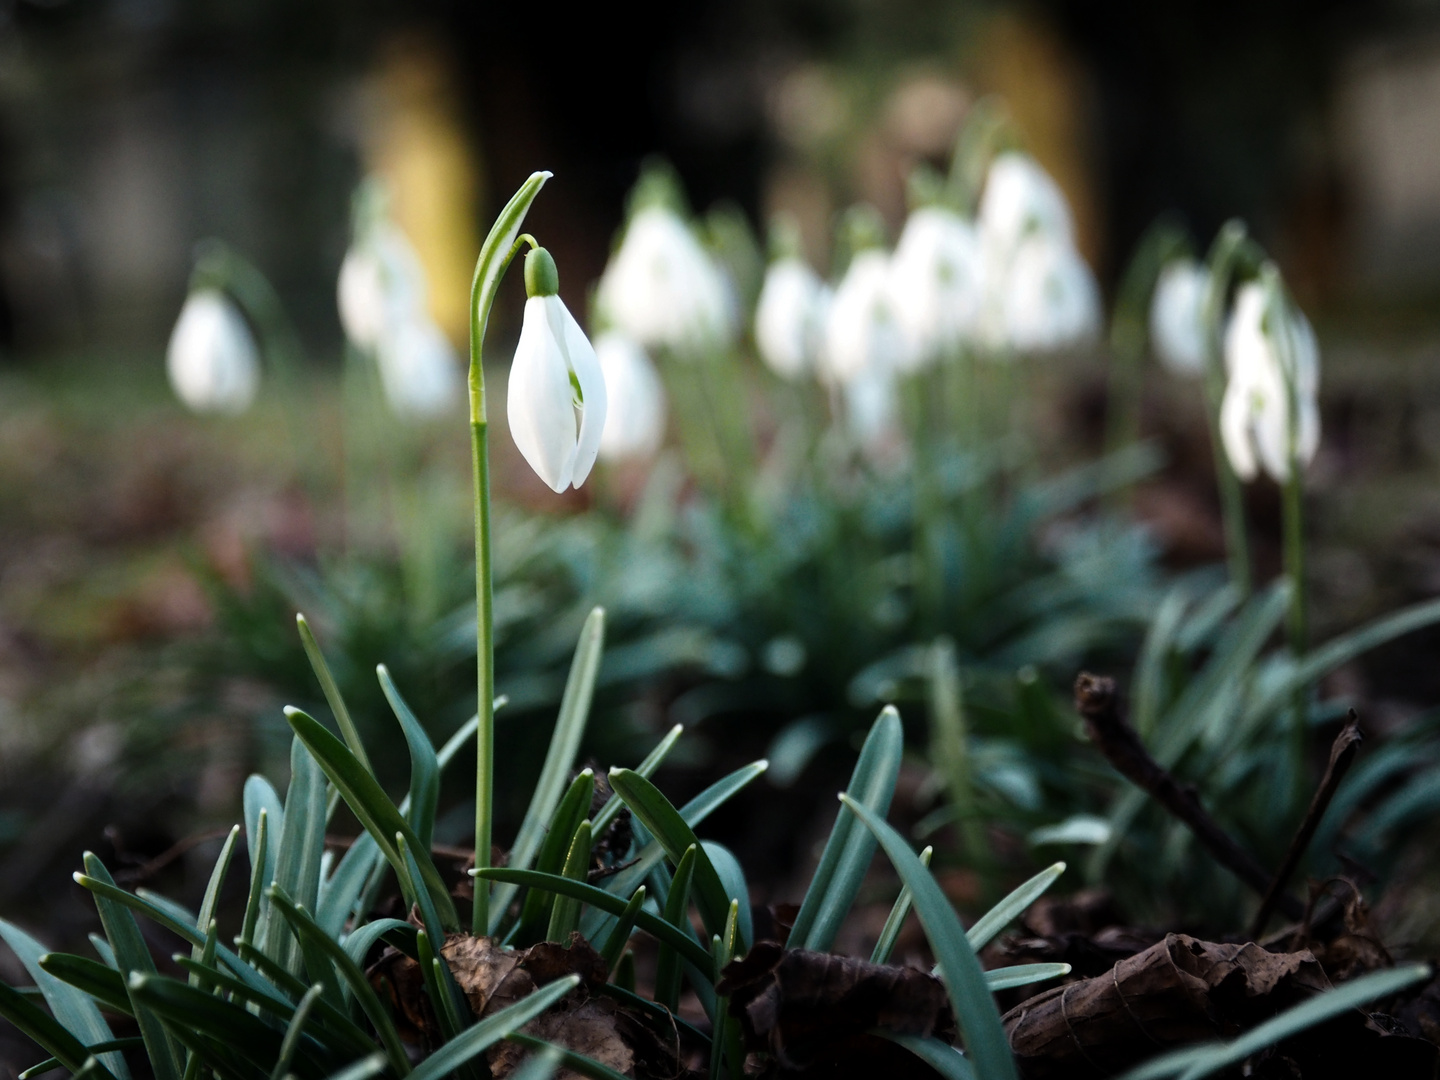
(1052, 301)
(1021, 198)
(860, 330)
(787, 317)
(381, 286)
(936, 284)
(211, 359)
(540, 401)
(418, 369)
(594, 399)
(1177, 317)
(635, 410)
(1235, 430)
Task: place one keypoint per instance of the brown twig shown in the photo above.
(1342, 754)
(1099, 706)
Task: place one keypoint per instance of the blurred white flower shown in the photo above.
(790, 317)
(635, 399)
(861, 332)
(1051, 300)
(1021, 198)
(418, 369)
(936, 284)
(1177, 316)
(381, 295)
(872, 408)
(663, 289)
(212, 360)
(1269, 348)
(556, 398)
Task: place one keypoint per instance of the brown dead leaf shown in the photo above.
(811, 1010)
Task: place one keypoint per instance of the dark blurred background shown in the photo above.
(131, 128)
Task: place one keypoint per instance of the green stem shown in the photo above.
(1294, 528)
(500, 247)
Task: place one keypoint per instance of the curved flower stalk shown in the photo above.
(663, 289)
(936, 284)
(635, 399)
(556, 402)
(1177, 317)
(212, 360)
(1270, 415)
(790, 317)
(381, 294)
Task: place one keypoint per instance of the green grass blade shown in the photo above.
(608, 902)
(363, 1069)
(71, 1008)
(332, 694)
(666, 824)
(579, 1063)
(540, 1065)
(103, 983)
(560, 758)
(890, 933)
(339, 895)
(131, 954)
(677, 913)
(99, 1048)
(732, 877)
(424, 764)
(985, 1041)
(44, 1029)
(573, 808)
(372, 806)
(849, 849)
(620, 934)
(1008, 978)
(565, 912)
(646, 768)
(359, 943)
(645, 1005)
(216, 883)
(479, 1038)
(1010, 908)
(262, 803)
(296, 1028)
(261, 873)
(940, 1056)
(102, 949)
(297, 856)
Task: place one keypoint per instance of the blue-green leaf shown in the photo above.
(1010, 908)
(424, 764)
(477, 1039)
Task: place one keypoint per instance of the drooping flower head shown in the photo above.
(212, 361)
(635, 399)
(1052, 301)
(556, 400)
(1177, 316)
(790, 312)
(936, 284)
(1272, 365)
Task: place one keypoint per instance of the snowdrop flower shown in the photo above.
(417, 368)
(381, 283)
(212, 360)
(635, 399)
(935, 284)
(872, 407)
(861, 331)
(556, 398)
(1177, 316)
(663, 289)
(790, 317)
(1270, 349)
(1051, 300)
(1020, 198)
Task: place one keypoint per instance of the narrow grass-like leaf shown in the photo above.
(560, 758)
(608, 902)
(890, 933)
(677, 913)
(340, 893)
(620, 934)
(579, 1063)
(1007, 978)
(364, 1069)
(477, 1039)
(332, 694)
(102, 949)
(985, 1041)
(646, 768)
(849, 850)
(97, 980)
(572, 810)
(665, 823)
(565, 913)
(659, 1012)
(436, 990)
(429, 917)
(291, 1042)
(44, 1029)
(424, 764)
(211, 899)
(372, 806)
(297, 856)
(1010, 908)
(72, 1008)
(732, 877)
(350, 971)
(131, 954)
(359, 943)
(261, 872)
(45, 1066)
(940, 1056)
(540, 1065)
(1192, 1063)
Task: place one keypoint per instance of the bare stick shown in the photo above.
(1099, 706)
(1342, 754)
